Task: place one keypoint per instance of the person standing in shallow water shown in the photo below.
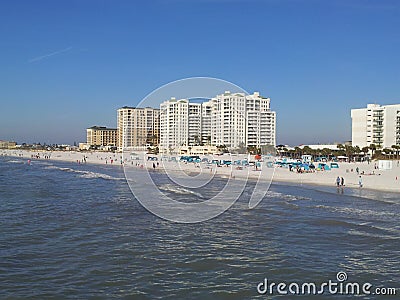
(338, 181)
(342, 181)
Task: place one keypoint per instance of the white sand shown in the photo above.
(387, 180)
(95, 157)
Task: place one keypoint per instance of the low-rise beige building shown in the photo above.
(196, 150)
(7, 145)
(101, 136)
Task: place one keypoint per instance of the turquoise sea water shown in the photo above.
(72, 231)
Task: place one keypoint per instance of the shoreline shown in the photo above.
(382, 180)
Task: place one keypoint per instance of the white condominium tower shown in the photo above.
(378, 125)
(261, 121)
(231, 119)
(138, 128)
(242, 120)
(180, 124)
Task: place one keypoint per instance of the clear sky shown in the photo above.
(68, 65)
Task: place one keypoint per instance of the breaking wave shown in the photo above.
(85, 174)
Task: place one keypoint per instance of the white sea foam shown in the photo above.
(179, 190)
(84, 174)
(287, 197)
(372, 235)
(91, 175)
(41, 163)
(360, 212)
(16, 161)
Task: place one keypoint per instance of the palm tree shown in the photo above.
(222, 148)
(373, 148)
(252, 150)
(307, 150)
(365, 150)
(241, 148)
(396, 149)
(298, 151)
(314, 153)
(209, 139)
(386, 152)
(196, 140)
(280, 149)
(325, 152)
(349, 151)
(357, 151)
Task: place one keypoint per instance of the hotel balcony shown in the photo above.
(378, 114)
(378, 137)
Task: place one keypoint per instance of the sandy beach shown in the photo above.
(372, 178)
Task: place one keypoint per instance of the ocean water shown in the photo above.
(71, 231)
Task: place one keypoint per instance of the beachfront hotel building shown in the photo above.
(242, 120)
(376, 124)
(138, 128)
(180, 124)
(100, 136)
(231, 119)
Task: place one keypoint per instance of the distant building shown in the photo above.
(379, 125)
(84, 146)
(138, 128)
(100, 136)
(197, 150)
(7, 145)
(333, 147)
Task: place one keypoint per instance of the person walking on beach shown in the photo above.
(360, 184)
(338, 181)
(358, 170)
(342, 181)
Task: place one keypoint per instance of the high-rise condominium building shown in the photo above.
(101, 136)
(242, 120)
(378, 125)
(234, 120)
(180, 124)
(138, 128)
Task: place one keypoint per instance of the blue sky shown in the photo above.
(68, 65)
